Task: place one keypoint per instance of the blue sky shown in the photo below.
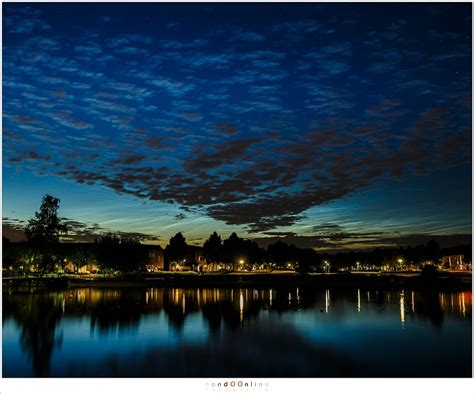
(329, 126)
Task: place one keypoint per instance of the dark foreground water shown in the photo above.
(280, 332)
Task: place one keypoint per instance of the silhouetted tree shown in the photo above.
(233, 250)
(120, 253)
(177, 248)
(429, 276)
(46, 226)
(213, 248)
(432, 250)
(306, 261)
(122, 313)
(5, 242)
(38, 337)
(9, 257)
(255, 254)
(281, 253)
(43, 232)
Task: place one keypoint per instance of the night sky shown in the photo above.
(329, 126)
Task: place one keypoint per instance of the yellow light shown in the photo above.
(241, 307)
(241, 261)
(358, 300)
(327, 301)
(402, 308)
(400, 260)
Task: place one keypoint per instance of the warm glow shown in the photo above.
(358, 300)
(328, 300)
(402, 308)
(241, 306)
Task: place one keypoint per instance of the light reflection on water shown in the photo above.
(279, 332)
(402, 308)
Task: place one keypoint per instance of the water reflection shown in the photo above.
(232, 317)
(38, 331)
(358, 300)
(402, 308)
(328, 300)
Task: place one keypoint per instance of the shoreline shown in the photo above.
(446, 281)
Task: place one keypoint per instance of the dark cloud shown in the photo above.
(258, 182)
(326, 228)
(444, 241)
(219, 155)
(332, 232)
(28, 155)
(154, 142)
(345, 240)
(130, 159)
(279, 233)
(225, 129)
(14, 230)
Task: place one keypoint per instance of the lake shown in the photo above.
(249, 332)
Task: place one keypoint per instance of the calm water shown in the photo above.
(281, 332)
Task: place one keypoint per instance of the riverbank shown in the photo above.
(407, 280)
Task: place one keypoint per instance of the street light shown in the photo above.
(327, 266)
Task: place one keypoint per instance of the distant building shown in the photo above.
(196, 255)
(156, 258)
(455, 262)
(193, 261)
(205, 266)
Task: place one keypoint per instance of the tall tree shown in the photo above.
(432, 250)
(43, 232)
(233, 250)
(107, 252)
(120, 253)
(177, 248)
(213, 248)
(46, 226)
(279, 253)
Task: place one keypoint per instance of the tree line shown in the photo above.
(44, 253)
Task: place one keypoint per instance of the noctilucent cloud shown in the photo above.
(331, 126)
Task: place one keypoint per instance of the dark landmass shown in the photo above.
(443, 281)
